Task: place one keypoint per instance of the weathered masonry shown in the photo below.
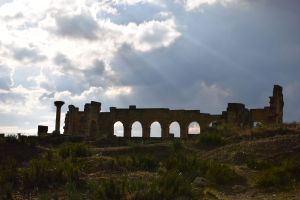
(92, 122)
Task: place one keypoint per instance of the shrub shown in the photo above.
(106, 189)
(41, 173)
(191, 167)
(37, 174)
(220, 174)
(8, 178)
(258, 164)
(74, 150)
(171, 185)
(138, 162)
(188, 165)
(71, 172)
(177, 146)
(210, 139)
(281, 176)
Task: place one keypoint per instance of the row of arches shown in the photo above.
(155, 129)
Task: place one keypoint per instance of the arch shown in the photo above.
(155, 129)
(257, 124)
(212, 124)
(174, 129)
(136, 129)
(194, 128)
(119, 129)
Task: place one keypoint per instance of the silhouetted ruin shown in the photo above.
(93, 123)
(58, 105)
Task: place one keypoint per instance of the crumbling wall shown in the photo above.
(92, 122)
(272, 114)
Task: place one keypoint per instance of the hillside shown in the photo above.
(221, 163)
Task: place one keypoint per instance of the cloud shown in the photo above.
(65, 64)
(81, 26)
(153, 34)
(2, 2)
(5, 77)
(116, 91)
(196, 4)
(27, 54)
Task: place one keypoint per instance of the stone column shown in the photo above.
(58, 105)
(146, 131)
(165, 131)
(127, 130)
(184, 131)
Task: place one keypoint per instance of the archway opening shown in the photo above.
(257, 124)
(155, 130)
(136, 129)
(194, 128)
(119, 129)
(175, 129)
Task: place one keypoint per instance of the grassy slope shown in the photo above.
(236, 151)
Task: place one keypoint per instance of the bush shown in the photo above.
(281, 176)
(110, 190)
(42, 174)
(71, 172)
(210, 139)
(37, 174)
(177, 146)
(220, 174)
(191, 167)
(171, 185)
(74, 150)
(138, 162)
(188, 165)
(8, 178)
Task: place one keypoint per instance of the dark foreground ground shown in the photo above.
(221, 163)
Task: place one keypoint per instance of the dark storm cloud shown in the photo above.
(26, 54)
(77, 80)
(77, 26)
(242, 50)
(94, 75)
(96, 69)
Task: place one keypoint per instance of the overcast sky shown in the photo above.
(185, 54)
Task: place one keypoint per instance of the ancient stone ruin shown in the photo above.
(93, 123)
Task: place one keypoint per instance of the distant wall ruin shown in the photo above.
(92, 122)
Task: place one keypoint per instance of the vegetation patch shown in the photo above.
(283, 175)
(137, 162)
(192, 167)
(74, 150)
(210, 140)
(8, 178)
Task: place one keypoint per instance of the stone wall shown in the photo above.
(92, 122)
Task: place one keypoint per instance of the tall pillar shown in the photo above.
(58, 105)
(146, 131)
(127, 130)
(184, 131)
(164, 131)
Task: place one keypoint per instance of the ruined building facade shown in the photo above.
(92, 122)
